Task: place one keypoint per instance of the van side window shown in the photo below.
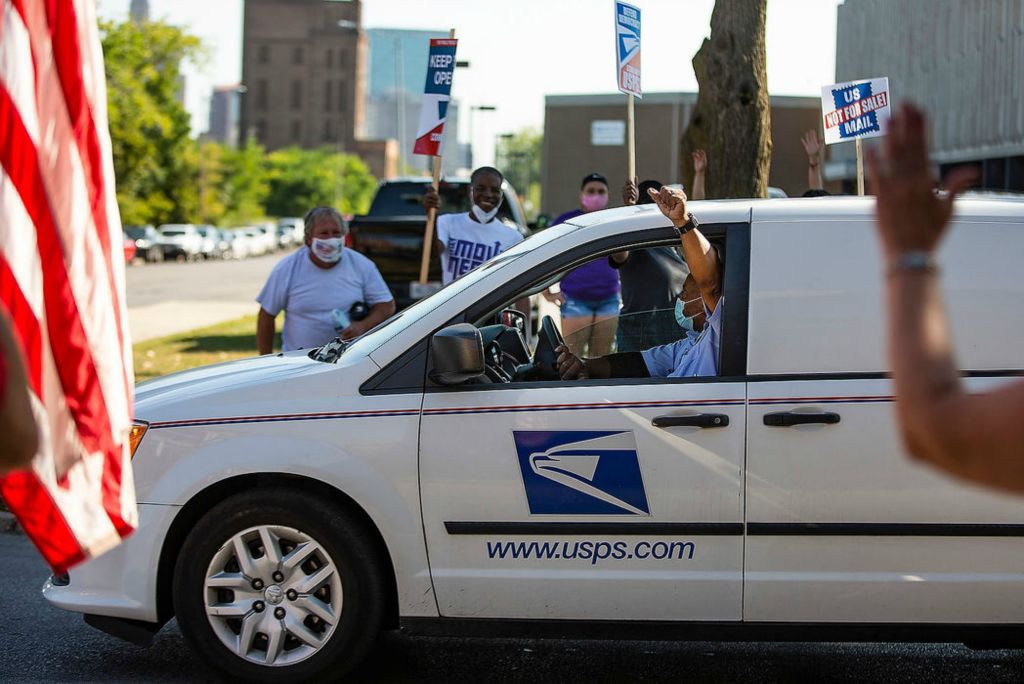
(654, 324)
(661, 319)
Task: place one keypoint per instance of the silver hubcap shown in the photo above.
(273, 595)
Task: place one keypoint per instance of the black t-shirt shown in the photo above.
(651, 278)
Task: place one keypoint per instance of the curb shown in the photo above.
(8, 524)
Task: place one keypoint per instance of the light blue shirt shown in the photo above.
(308, 294)
(696, 355)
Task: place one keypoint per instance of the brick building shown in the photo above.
(303, 66)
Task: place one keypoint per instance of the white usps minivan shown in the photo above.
(435, 474)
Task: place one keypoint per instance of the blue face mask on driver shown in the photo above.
(685, 322)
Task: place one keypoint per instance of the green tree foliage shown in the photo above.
(246, 186)
(518, 158)
(300, 179)
(211, 186)
(165, 176)
(155, 161)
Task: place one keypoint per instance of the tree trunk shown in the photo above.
(732, 118)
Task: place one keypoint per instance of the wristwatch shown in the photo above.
(914, 261)
(691, 223)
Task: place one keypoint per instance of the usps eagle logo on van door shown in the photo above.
(580, 472)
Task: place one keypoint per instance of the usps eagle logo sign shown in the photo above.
(436, 95)
(627, 48)
(856, 109)
(581, 472)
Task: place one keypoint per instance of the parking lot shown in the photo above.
(186, 242)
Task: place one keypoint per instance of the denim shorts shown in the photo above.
(587, 308)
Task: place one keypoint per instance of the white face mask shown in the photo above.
(328, 250)
(481, 215)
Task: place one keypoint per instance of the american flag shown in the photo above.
(62, 280)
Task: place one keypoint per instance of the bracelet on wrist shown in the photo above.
(914, 261)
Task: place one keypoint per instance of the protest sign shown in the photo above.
(627, 53)
(436, 95)
(857, 109)
(627, 48)
(433, 116)
(853, 111)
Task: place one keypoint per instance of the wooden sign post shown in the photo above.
(433, 116)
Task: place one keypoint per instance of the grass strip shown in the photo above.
(214, 344)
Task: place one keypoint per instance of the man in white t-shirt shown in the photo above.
(466, 240)
(317, 287)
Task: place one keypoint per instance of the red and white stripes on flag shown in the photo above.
(62, 279)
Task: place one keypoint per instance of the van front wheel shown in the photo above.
(279, 586)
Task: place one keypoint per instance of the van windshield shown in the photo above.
(409, 316)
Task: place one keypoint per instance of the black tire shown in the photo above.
(341, 535)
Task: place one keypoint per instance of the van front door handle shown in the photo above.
(790, 418)
(701, 420)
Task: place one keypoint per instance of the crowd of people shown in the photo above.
(629, 302)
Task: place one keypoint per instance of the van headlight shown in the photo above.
(138, 431)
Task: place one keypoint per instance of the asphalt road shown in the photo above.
(44, 644)
(170, 298)
(221, 281)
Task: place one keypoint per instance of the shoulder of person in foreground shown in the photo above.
(284, 270)
(288, 261)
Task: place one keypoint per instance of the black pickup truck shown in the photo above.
(391, 234)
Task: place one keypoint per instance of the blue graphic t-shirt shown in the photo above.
(467, 244)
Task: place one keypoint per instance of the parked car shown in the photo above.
(290, 232)
(180, 241)
(236, 243)
(210, 247)
(129, 248)
(257, 241)
(268, 230)
(435, 473)
(391, 233)
(147, 242)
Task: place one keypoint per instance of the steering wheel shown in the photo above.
(545, 359)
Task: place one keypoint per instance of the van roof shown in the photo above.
(830, 208)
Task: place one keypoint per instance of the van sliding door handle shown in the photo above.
(702, 420)
(790, 418)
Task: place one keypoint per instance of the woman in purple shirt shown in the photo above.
(589, 297)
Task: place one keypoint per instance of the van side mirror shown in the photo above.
(457, 354)
(511, 318)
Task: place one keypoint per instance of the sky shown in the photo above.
(521, 50)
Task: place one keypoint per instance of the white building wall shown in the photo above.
(962, 60)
